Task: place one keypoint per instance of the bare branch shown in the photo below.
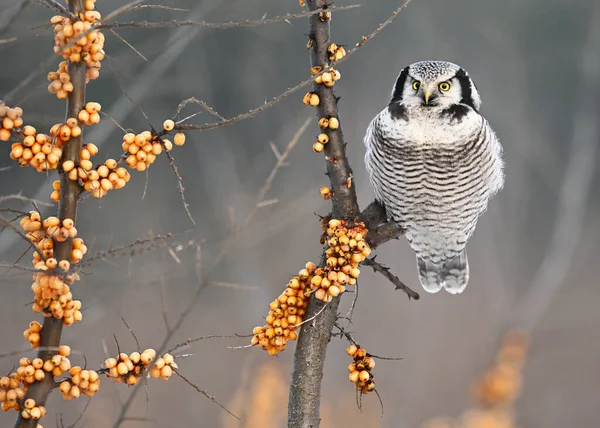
(201, 103)
(203, 280)
(52, 4)
(19, 197)
(385, 271)
(10, 16)
(179, 182)
(221, 25)
(205, 393)
(138, 53)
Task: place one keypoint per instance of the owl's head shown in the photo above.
(435, 84)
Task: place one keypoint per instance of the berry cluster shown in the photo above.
(360, 369)
(72, 44)
(328, 78)
(33, 334)
(311, 99)
(90, 114)
(503, 381)
(51, 288)
(325, 123)
(36, 150)
(44, 235)
(85, 382)
(285, 313)
(347, 249)
(31, 411)
(60, 81)
(12, 389)
(329, 122)
(496, 391)
(129, 368)
(35, 371)
(142, 149)
(336, 52)
(64, 132)
(10, 118)
(319, 145)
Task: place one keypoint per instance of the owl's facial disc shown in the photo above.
(430, 94)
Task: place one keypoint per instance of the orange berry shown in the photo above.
(168, 125)
(179, 139)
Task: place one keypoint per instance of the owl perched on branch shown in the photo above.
(434, 163)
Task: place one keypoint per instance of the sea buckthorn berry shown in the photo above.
(179, 139)
(168, 125)
(333, 123)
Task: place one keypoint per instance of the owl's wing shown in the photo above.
(496, 180)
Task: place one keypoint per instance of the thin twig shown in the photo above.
(8, 224)
(221, 25)
(197, 339)
(186, 206)
(205, 393)
(203, 276)
(201, 103)
(385, 271)
(129, 45)
(52, 4)
(132, 333)
(22, 198)
(300, 85)
(10, 17)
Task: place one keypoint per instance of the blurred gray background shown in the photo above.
(533, 258)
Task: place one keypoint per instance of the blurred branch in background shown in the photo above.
(497, 390)
(10, 14)
(222, 25)
(575, 190)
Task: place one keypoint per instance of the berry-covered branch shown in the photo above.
(304, 399)
(67, 210)
(311, 298)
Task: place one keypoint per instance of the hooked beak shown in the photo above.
(427, 95)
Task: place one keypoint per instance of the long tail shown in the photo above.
(453, 275)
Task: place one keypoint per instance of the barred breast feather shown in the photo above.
(434, 174)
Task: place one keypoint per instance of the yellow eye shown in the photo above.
(444, 86)
(416, 85)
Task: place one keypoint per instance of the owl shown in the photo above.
(434, 163)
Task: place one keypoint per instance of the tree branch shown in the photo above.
(304, 399)
(385, 271)
(52, 328)
(220, 25)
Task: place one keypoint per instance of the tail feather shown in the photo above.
(455, 274)
(429, 275)
(452, 276)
